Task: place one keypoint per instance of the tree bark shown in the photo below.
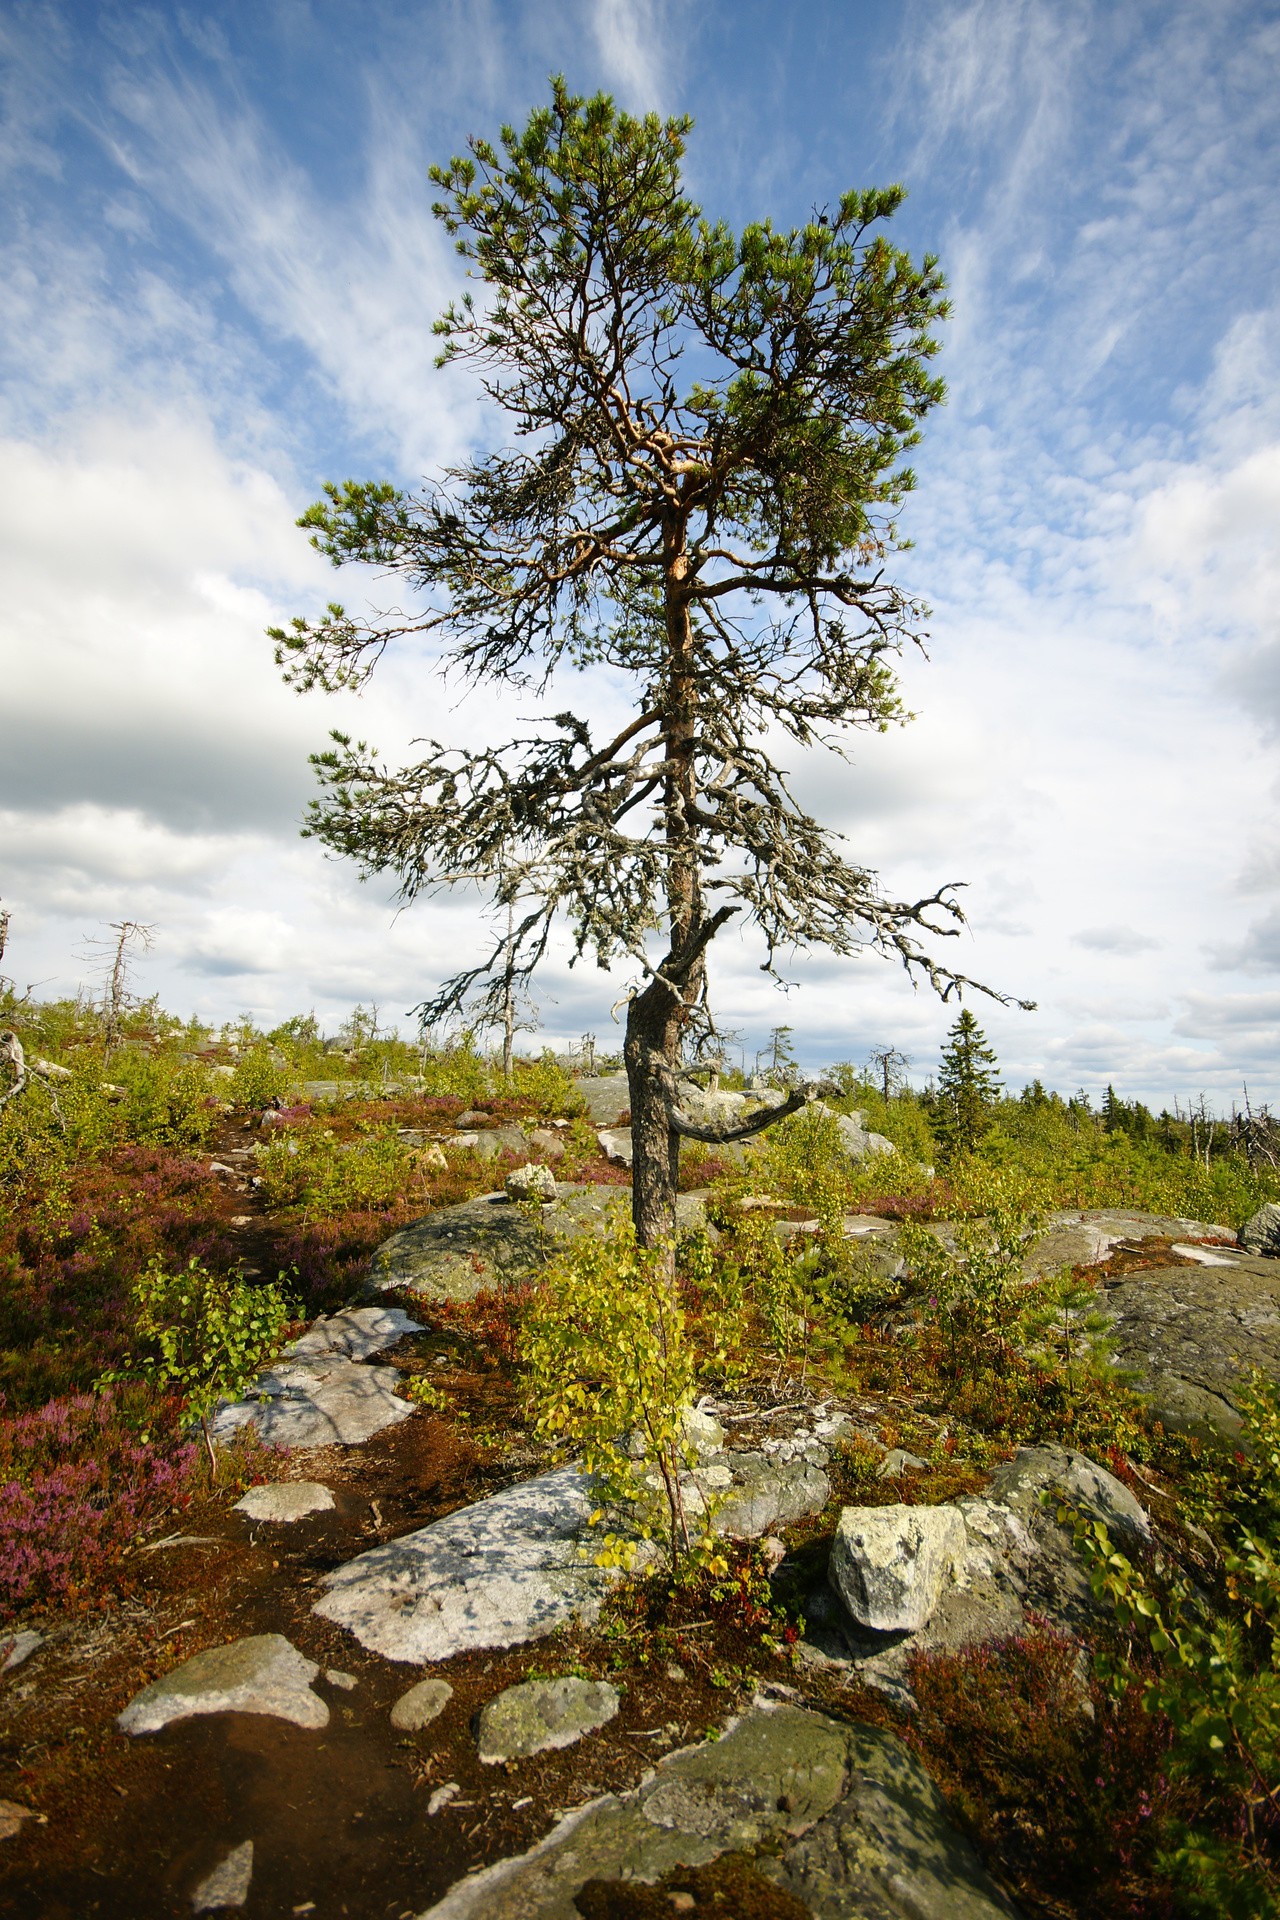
(656, 1017)
(652, 1033)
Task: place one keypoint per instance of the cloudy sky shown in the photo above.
(219, 273)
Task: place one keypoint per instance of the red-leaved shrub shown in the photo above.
(77, 1485)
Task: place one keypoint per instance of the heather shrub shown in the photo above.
(68, 1247)
(79, 1481)
(1060, 1782)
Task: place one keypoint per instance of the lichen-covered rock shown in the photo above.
(497, 1574)
(1076, 1239)
(766, 1491)
(606, 1096)
(1192, 1334)
(615, 1144)
(531, 1182)
(487, 1242)
(1261, 1233)
(324, 1403)
(540, 1715)
(495, 1140)
(284, 1501)
(850, 1821)
(1014, 1558)
(518, 1565)
(889, 1564)
(318, 1394)
(262, 1674)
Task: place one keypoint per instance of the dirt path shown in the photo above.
(340, 1819)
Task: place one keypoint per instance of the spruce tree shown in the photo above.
(968, 1086)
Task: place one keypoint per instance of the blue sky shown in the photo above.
(219, 274)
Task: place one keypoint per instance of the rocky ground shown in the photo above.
(387, 1681)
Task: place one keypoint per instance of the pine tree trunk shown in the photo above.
(655, 1148)
(657, 1017)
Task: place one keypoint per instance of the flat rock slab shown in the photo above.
(318, 1393)
(357, 1334)
(1191, 1334)
(606, 1096)
(453, 1254)
(543, 1714)
(317, 1404)
(285, 1501)
(853, 1824)
(263, 1674)
(1087, 1239)
(504, 1571)
(421, 1705)
(228, 1884)
(518, 1565)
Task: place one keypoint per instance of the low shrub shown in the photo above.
(80, 1478)
(202, 1336)
(611, 1367)
(1060, 1783)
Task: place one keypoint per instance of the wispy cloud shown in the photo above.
(635, 41)
(1121, 940)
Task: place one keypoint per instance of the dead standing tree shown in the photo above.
(708, 453)
(115, 960)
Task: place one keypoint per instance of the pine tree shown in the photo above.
(705, 453)
(968, 1086)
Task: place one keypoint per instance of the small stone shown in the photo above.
(898, 1461)
(548, 1144)
(336, 1678)
(19, 1647)
(285, 1501)
(888, 1564)
(421, 1705)
(443, 1795)
(616, 1145)
(676, 1673)
(227, 1885)
(260, 1674)
(682, 1902)
(473, 1117)
(12, 1816)
(703, 1431)
(532, 1182)
(543, 1714)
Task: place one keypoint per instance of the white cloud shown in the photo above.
(1094, 522)
(1121, 940)
(633, 39)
